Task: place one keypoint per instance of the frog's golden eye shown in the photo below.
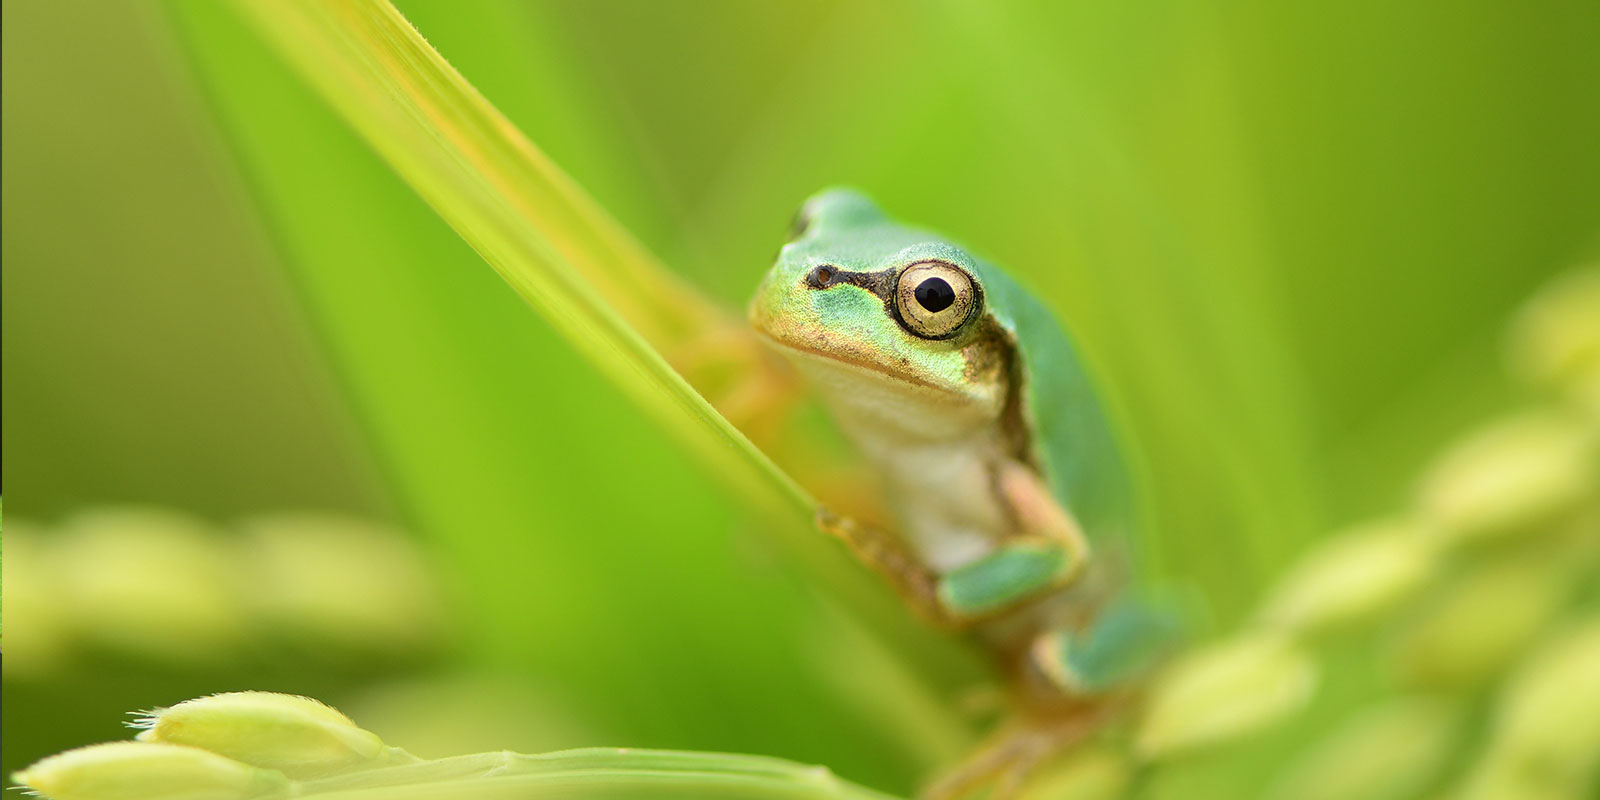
(936, 299)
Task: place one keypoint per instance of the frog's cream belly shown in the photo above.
(937, 451)
(944, 496)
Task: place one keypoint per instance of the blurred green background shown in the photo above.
(1291, 235)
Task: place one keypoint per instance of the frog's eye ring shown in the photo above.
(936, 299)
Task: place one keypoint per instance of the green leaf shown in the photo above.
(529, 221)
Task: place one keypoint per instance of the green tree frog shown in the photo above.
(1011, 496)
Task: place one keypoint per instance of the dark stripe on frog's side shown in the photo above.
(1078, 445)
(990, 350)
(880, 283)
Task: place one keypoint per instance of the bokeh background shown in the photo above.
(1291, 235)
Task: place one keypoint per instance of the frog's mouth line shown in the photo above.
(858, 363)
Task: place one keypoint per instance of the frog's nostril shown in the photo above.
(821, 277)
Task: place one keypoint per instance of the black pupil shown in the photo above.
(935, 295)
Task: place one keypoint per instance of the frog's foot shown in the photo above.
(889, 556)
(1078, 680)
(1123, 645)
(1015, 754)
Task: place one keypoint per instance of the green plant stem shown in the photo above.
(593, 772)
(521, 214)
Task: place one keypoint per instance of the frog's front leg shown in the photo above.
(1048, 553)
(1014, 573)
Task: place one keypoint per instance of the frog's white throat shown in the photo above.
(903, 408)
(936, 449)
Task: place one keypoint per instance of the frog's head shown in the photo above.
(866, 304)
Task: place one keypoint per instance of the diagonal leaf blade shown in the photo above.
(597, 286)
(527, 220)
